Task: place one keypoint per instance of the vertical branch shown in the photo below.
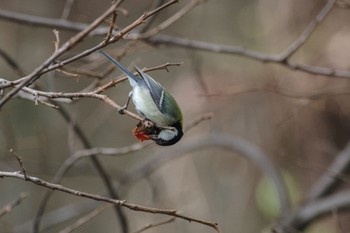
(67, 9)
(101, 171)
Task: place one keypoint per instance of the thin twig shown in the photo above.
(111, 27)
(238, 50)
(329, 179)
(280, 90)
(297, 43)
(67, 9)
(160, 8)
(12, 63)
(155, 5)
(85, 219)
(57, 41)
(112, 83)
(153, 225)
(165, 24)
(61, 215)
(200, 118)
(9, 207)
(32, 95)
(83, 72)
(20, 162)
(51, 23)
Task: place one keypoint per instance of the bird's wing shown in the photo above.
(164, 101)
(156, 90)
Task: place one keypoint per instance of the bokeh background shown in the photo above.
(300, 135)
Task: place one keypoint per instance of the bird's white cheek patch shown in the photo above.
(167, 134)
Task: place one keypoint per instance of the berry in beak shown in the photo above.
(145, 130)
(141, 135)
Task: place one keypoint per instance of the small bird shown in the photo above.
(155, 104)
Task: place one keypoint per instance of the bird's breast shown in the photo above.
(146, 106)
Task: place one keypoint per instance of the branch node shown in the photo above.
(20, 162)
(36, 98)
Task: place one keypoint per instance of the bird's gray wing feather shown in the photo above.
(156, 90)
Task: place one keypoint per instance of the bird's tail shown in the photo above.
(120, 66)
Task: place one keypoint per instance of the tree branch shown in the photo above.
(85, 219)
(9, 207)
(99, 168)
(93, 152)
(65, 47)
(330, 177)
(153, 225)
(307, 213)
(123, 203)
(281, 58)
(244, 148)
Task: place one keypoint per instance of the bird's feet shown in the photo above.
(121, 110)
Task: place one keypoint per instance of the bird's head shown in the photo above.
(168, 137)
(146, 130)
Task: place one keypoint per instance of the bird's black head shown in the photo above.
(168, 137)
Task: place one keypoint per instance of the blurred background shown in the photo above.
(275, 108)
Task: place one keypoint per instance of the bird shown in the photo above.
(155, 104)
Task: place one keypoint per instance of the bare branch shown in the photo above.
(155, 11)
(48, 22)
(12, 63)
(67, 8)
(238, 50)
(44, 69)
(155, 5)
(66, 46)
(20, 162)
(9, 207)
(280, 90)
(111, 27)
(286, 54)
(85, 219)
(123, 203)
(57, 42)
(281, 58)
(153, 225)
(171, 19)
(92, 94)
(198, 119)
(329, 179)
(115, 82)
(305, 214)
